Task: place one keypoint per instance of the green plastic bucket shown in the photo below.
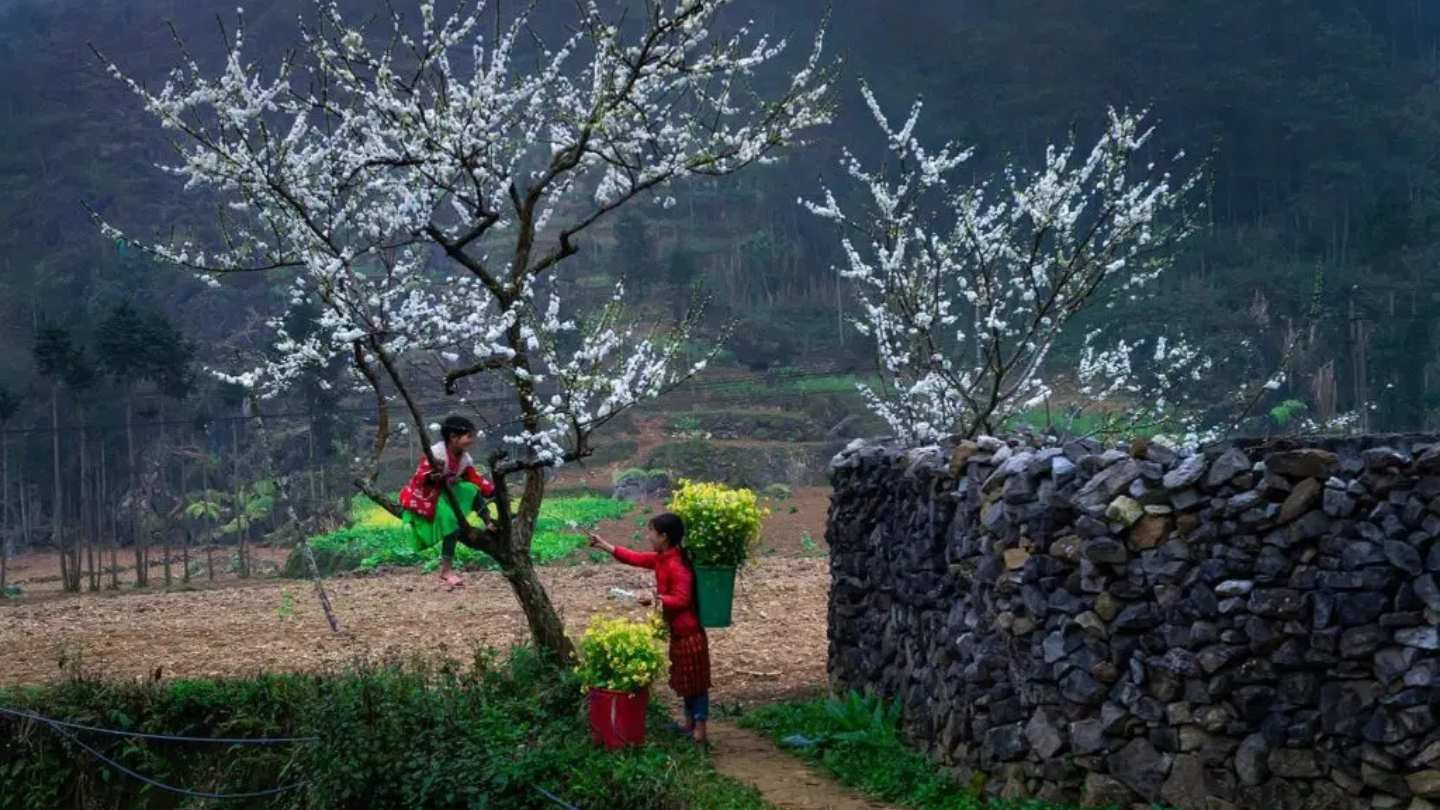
(715, 588)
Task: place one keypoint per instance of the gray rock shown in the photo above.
(1099, 491)
(1404, 556)
(1421, 638)
(1087, 736)
(1428, 591)
(1106, 551)
(1231, 463)
(1234, 587)
(1251, 760)
(1337, 504)
(1140, 767)
(1079, 687)
(1103, 791)
(1362, 641)
(1294, 763)
(1005, 742)
(1187, 473)
(1384, 458)
(1187, 785)
(1044, 735)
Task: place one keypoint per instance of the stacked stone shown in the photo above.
(1257, 625)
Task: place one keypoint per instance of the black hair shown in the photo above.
(455, 426)
(673, 527)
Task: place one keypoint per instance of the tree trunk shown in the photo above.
(86, 513)
(57, 518)
(5, 526)
(134, 495)
(185, 548)
(546, 628)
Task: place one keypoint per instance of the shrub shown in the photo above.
(390, 735)
(722, 525)
(621, 655)
(777, 492)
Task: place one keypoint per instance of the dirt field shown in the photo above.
(234, 627)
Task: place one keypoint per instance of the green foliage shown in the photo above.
(391, 735)
(376, 539)
(857, 739)
(1286, 412)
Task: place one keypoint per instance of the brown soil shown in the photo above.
(243, 628)
(784, 781)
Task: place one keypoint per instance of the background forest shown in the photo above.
(1317, 124)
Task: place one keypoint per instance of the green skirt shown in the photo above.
(429, 532)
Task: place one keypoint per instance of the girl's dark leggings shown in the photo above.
(447, 546)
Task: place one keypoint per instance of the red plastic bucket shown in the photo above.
(617, 719)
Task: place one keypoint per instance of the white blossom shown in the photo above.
(965, 287)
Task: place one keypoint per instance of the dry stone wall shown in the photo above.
(1254, 626)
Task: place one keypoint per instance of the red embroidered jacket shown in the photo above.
(674, 585)
(420, 496)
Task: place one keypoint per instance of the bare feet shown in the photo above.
(452, 580)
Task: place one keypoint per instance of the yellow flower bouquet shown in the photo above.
(722, 525)
(621, 655)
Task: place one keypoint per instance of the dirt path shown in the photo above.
(785, 781)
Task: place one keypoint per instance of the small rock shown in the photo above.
(1293, 763)
(1301, 499)
(1251, 763)
(1103, 791)
(1106, 551)
(1079, 687)
(1005, 742)
(1428, 591)
(1384, 458)
(1404, 556)
(1015, 558)
(1337, 504)
(1306, 463)
(1231, 463)
(1187, 474)
(1087, 736)
(1045, 738)
(961, 455)
(1234, 587)
(1140, 767)
(1126, 510)
(1151, 531)
(1421, 638)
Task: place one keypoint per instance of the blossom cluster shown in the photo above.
(966, 287)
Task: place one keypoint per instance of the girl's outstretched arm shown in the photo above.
(639, 559)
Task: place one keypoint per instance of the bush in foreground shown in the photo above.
(487, 735)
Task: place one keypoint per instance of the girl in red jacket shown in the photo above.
(427, 510)
(675, 590)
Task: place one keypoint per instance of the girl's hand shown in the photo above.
(597, 542)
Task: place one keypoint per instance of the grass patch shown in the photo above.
(857, 740)
(488, 734)
(376, 538)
